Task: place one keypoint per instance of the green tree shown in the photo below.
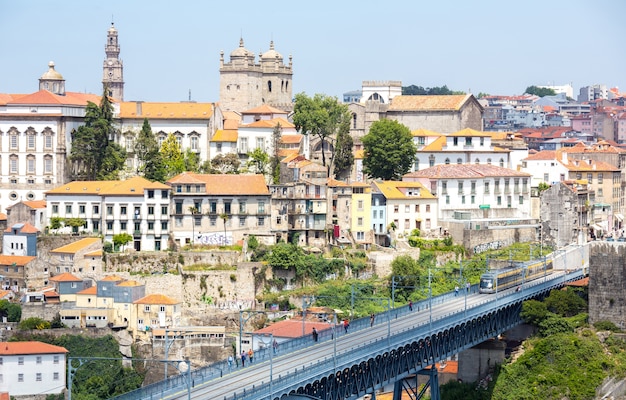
(94, 154)
(344, 155)
(226, 163)
(225, 217)
(389, 150)
(421, 91)
(277, 135)
(75, 223)
(121, 239)
(34, 323)
(12, 311)
(565, 303)
(539, 91)
(150, 163)
(56, 222)
(258, 161)
(286, 255)
(192, 161)
(323, 117)
(534, 312)
(172, 156)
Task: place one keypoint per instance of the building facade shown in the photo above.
(113, 68)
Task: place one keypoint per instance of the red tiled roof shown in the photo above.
(65, 277)
(157, 299)
(90, 290)
(293, 328)
(17, 260)
(225, 184)
(24, 348)
(465, 171)
(26, 228)
(44, 97)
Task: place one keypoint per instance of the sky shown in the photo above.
(172, 48)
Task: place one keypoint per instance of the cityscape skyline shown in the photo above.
(579, 40)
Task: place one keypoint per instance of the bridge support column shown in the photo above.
(411, 385)
(479, 361)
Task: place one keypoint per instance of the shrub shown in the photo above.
(606, 326)
(34, 323)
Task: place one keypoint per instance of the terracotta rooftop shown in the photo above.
(465, 171)
(292, 328)
(17, 260)
(269, 123)
(4, 293)
(158, 299)
(25, 227)
(129, 283)
(35, 204)
(225, 184)
(89, 291)
(25, 348)
(75, 247)
(428, 103)
(398, 190)
(134, 186)
(541, 155)
(128, 109)
(65, 277)
(95, 253)
(425, 132)
(296, 138)
(264, 110)
(112, 278)
(44, 97)
(3, 216)
(470, 132)
(225, 135)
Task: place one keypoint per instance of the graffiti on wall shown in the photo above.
(216, 239)
(487, 246)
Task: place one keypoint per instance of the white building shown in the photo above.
(32, 368)
(135, 206)
(463, 147)
(478, 189)
(192, 124)
(35, 137)
(544, 167)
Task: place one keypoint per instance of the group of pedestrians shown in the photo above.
(245, 355)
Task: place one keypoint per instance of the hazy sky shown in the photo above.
(171, 47)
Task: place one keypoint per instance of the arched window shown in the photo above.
(431, 161)
(269, 86)
(502, 162)
(477, 161)
(417, 164)
(489, 161)
(459, 161)
(447, 161)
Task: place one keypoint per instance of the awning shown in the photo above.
(619, 217)
(597, 227)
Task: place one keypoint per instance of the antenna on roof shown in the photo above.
(189, 94)
(112, 19)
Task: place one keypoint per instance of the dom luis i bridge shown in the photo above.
(401, 345)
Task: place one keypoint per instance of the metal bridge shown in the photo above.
(400, 344)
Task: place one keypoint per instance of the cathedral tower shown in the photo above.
(113, 69)
(245, 84)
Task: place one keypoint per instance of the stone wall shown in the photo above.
(607, 283)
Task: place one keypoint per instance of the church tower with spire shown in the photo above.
(113, 69)
(246, 84)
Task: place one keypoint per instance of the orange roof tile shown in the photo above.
(465, 171)
(287, 152)
(425, 132)
(35, 203)
(74, 247)
(428, 103)
(225, 135)
(24, 348)
(128, 109)
(296, 138)
(112, 278)
(17, 260)
(225, 184)
(26, 227)
(3, 216)
(44, 97)
(264, 109)
(542, 155)
(293, 328)
(51, 293)
(231, 124)
(156, 299)
(396, 190)
(269, 123)
(89, 291)
(470, 132)
(65, 277)
(95, 253)
(134, 186)
(436, 145)
(4, 293)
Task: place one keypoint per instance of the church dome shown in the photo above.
(112, 28)
(52, 74)
(271, 54)
(241, 51)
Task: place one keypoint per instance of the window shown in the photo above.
(20, 377)
(427, 208)
(178, 222)
(151, 194)
(150, 226)
(13, 141)
(260, 143)
(600, 177)
(162, 308)
(68, 208)
(261, 221)
(123, 210)
(109, 210)
(20, 361)
(194, 143)
(459, 161)
(227, 207)
(455, 141)
(96, 210)
(30, 164)
(521, 199)
(444, 187)
(468, 141)
(460, 187)
(499, 198)
(447, 161)
(150, 210)
(109, 225)
(590, 178)
(47, 142)
(473, 199)
(38, 360)
(359, 205)
(123, 226)
(242, 207)
(396, 209)
(447, 199)
(81, 208)
(261, 207)
(13, 164)
(360, 236)
(55, 376)
(38, 377)
(502, 162)
(164, 194)
(164, 210)
(55, 209)
(487, 187)
(146, 308)
(47, 164)
(359, 221)
(164, 225)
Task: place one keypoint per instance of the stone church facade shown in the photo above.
(246, 84)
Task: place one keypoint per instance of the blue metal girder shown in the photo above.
(398, 363)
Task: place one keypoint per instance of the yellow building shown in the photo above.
(361, 215)
(154, 311)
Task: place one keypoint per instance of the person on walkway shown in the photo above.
(230, 362)
(243, 359)
(372, 320)
(275, 346)
(468, 286)
(410, 305)
(237, 359)
(250, 355)
(346, 325)
(314, 334)
(456, 290)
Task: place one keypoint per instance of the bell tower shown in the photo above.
(113, 68)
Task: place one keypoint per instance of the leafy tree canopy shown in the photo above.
(122, 239)
(539, 91)
(419, 90)
(258, 161)
(225, 164)
(321, 116)
(173, 158)
(389, 150)
(344, 155)
(150, 163)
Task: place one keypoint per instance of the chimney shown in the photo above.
(139, 110)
